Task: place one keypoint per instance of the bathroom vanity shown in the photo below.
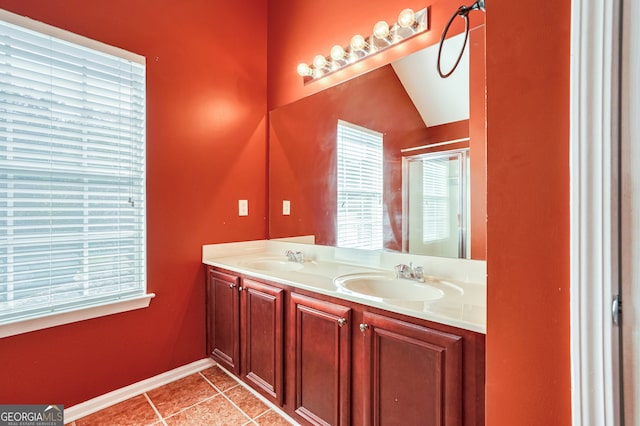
(330, 340)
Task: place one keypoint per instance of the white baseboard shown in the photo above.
(103, 401)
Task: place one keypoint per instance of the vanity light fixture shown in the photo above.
(305, 70)
(381, 31)
(409, 24)
(358, 43)
(357, 48)
(407, 18)
(320, 62)
(338, 53)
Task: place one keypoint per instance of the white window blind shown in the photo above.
(72, 173)
(435, 208)
(359, 221)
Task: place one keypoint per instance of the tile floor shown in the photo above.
(210, 397)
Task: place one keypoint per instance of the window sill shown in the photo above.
(20, 327)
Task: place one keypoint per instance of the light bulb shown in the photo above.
(406, 18)
(358, 42)
(319, 61)
(304, 70)
(337, 52)
(381, 30)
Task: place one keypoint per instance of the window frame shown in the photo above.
(376, 242)
(80, 313)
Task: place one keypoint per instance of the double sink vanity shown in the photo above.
(337, 336)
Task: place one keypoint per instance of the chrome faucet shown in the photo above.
(294, 256)
(409, 272)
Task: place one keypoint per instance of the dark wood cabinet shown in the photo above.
(262, 329)
(321, 363)
(328, 361)
(413, 374)
(223, 320)
(245, 330)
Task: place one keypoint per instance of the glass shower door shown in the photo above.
(436, 198)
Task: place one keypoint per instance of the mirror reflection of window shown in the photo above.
(436, 199)
(437, 203)
(359, 185)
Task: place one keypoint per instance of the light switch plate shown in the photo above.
(243, 208)
(286, 207)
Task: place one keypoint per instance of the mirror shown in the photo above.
(435, 191)
(416, 113)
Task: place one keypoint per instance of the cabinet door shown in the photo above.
(223, 320)
(413, 374)
(262, 332)
(322, 367)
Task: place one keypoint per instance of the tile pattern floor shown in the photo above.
(210, 397)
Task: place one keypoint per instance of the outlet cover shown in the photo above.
(243, 208)
(286, 207)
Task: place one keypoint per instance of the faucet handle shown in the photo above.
(291, 256)
(401, 270)
(294, 256)
(418, 273)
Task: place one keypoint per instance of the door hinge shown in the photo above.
(616, 310)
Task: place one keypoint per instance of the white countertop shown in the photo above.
(463, 304)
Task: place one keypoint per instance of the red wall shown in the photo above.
(528, 354)
(206, 144)
(207, 113)
(527, 53)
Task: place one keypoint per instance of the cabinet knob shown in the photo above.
(240, 289)
(232, 286)
(342, 322)
(364, 327)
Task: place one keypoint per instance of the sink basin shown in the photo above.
(273, 264)
(386, 286)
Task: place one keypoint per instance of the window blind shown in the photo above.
(72, 173)
(359, 182)
(435, 208)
